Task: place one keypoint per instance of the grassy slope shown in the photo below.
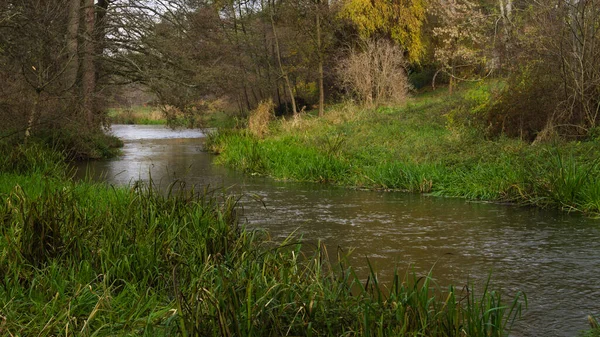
(92, 260)
(425, 145)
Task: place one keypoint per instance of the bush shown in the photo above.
(375, 74)
(526, 105)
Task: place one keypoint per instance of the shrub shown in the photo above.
(526, 105)
(375, 73)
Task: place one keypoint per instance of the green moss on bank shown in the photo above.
(432, 144)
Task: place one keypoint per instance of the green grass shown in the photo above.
(87, 259)
(431, 144)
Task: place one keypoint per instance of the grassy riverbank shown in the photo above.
(140, 115)
(79, 258)
(148, 115)
(427, 145)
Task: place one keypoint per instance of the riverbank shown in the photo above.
(149, 115)
(139, 115)
(427, 145)
(91, 259)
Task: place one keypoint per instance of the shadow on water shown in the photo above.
(554, 257)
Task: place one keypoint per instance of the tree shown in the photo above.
(555, 85)
(400, 21)
(460, 38)
(34, 49)
(51, 56)
(315, 21)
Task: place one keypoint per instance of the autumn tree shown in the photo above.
(375, 73)
(401, 21)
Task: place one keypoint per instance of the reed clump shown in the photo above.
(86, 259)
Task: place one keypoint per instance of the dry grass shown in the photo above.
(347, 112)
(258, 122)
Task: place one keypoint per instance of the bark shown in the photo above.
(89, 69)
(72, 44)
(100, 26)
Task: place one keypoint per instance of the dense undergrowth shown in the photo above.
(433, 144)
(87, 259)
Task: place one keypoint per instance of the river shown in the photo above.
(553, 257)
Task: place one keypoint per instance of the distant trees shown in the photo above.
(58, 56)
(244, 52)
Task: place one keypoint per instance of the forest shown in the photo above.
(63, 61)
(484, 100)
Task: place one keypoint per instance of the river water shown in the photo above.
(553, 257)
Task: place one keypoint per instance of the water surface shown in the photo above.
(554, 257)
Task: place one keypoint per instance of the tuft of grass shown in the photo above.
(594, 328)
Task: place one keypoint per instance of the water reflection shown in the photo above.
(553, 257)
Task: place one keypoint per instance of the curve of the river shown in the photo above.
(553, 257)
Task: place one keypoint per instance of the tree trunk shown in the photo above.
(319, 47)
(283, 72)
(32, 117)
(100, 29)
(72, 44)
(89, 69)
(451, 83)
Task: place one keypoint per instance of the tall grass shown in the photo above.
(93, 260)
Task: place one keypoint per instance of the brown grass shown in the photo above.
(258, 122)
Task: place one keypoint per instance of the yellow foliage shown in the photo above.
(400, 19)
